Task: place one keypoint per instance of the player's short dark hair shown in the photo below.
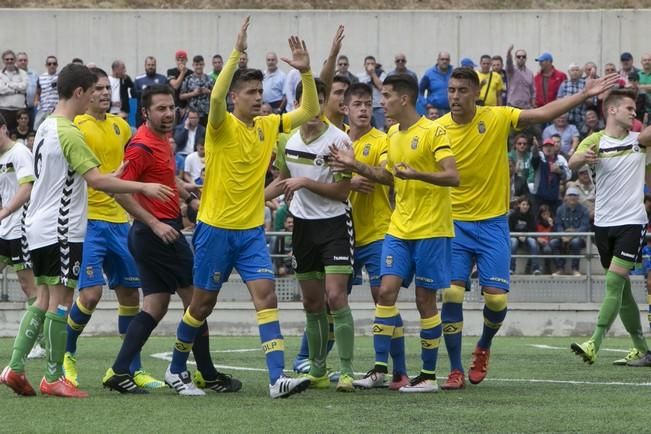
(468, 74)
(403, 84)
(358, 89)
(320, 89)
(198, 58)
(244, 75)
(155, 89)
(341, 79)
(3, 121)
(74, 76)
(98, 72)
(616, 96)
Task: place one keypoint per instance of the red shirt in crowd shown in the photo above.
(150, 159)
(547, 93)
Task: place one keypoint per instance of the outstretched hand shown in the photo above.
(240, 42)
(599, 85)
(404, 171)
(337, 41)
(300, 57)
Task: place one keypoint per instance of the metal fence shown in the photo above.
(587, 288)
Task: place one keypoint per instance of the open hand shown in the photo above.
(361, 184)
(157, 191)
(404, 171)
(300, 57)
(600, 85)
(240, 42)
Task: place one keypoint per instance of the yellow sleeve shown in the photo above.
(309, 107)
(440, 144)
(217, 112)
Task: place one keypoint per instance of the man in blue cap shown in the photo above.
(548, 80)
(467, 62)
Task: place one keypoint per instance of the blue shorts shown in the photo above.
(217, 251)
(368, 256)
(486, 242)
(106, 251)
(427, 259)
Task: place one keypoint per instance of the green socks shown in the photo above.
(345, 338)
(609, 309)
(54, 330)
(30, 328)
(316, 329)
(630, 315)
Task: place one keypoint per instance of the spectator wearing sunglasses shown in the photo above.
(520, 92)
(46, 97)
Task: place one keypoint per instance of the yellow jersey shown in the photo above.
(371, 212)
(237, 159)
(107, 139)
(423, 210)
(497, 85)
(481, 151)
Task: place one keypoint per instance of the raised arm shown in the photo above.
(328, 70)
(448, 176)
(309, 100)
(559, 106)
(217, 112)
(344, 159)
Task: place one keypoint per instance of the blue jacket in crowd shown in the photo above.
(577, 218)
(435, 83)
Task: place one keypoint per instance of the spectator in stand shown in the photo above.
(592, 123)
(520, 91)
(497, 65)
(196, 90)
(22, 61)
(570, 217)
(243, 62)
(142, 82)
(610, 68)
(22, 130)
(282, 245)
(46, 97)
(548, 80)
(627, 66)
(189, 134)
(586, 189)
(433, 88)
(273, 83)
(342, 69)
(641, 101)
(266, 109)
(432, 113)
(13, 88)
(122, 88)
(574, 84)
(519, 186)
(521, 156)
(176, 77)
(194, 164)
(491, 83)
(645, 79)
(544, 223)
(549, 170)
(568, 133)
(590, 71)
(289, 90)
(522, 220)
(217, 65)
(400, 61)
(373, 75)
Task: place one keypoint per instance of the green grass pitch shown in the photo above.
(534, 385)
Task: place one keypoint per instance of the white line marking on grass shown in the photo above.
(549, 347)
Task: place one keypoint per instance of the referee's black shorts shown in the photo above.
(162, 267)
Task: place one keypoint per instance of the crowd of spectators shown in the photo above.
(545, 194)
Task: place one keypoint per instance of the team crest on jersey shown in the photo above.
(76, 268)
(481, 127)
(116, 129)
(89, 272)
(414, 143)
(319, 160)
(216, 276)
(367, 149)
(260, 134)
(389, 261)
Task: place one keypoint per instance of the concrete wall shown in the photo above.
(101, 36)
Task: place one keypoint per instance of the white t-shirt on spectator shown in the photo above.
(194, 164)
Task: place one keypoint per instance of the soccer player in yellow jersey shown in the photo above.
(479, 137)
(230, 232)
(105, 245)
(418, 240)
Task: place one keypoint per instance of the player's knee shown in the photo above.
(386, 296)
(90, 297)
(337, 299)
(426, 303)
(454, 294)
(128, 296)
(496, 302)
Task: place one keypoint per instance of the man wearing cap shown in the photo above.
(626, 61)
(520, 92)
(176, 77)
(586, 189)
(641, 101)
(548, 80)
(574, 84)
(570, 217)
(549, 170)
(467, 62)
(433, 87)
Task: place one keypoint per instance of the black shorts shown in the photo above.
(323, 246)
(162, 267)
(624, 242)
(15, 253)
(57, 264)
